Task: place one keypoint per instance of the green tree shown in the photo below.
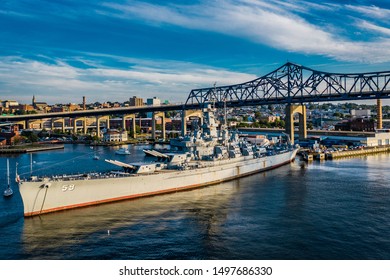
(338, 115)
(30, 136)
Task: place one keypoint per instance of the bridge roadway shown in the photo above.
(97, 112)
(313, 132)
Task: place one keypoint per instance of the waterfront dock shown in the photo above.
(310, 156)
(359, 152)
(30, 148)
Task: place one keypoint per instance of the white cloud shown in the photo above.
(371, 11)
(61, 82)
(263, 22)
(373, 27)
(15, 14)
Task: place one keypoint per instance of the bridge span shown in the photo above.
(296, 84)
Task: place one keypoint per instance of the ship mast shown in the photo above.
(8, 172)
(224, 112)
(215, 94)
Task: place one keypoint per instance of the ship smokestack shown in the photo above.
(379, 113)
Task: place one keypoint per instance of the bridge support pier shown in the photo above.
(379, 114)
(22, 123)
(154, 116)
(84, 120)
(290, 111)
(98, 119)
(124, 118)
(60, 120)
(186, 114)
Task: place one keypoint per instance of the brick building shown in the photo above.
(10, 135)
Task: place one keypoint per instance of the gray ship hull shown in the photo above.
(50, 195)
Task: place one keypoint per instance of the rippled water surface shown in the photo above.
(331, 210)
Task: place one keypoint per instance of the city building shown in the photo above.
(270, 119)
(366, 113)
(382, 137)
(113, 135)
(41, 106)
(26, 107)
(58, 109)
(379, 138)
(357, 124)
(136, 101)
(9, 106)
(74, 107)
(10, 103)
(153, 101)
(10, 134)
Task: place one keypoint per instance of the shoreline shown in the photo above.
(31, 148)
(310, 156)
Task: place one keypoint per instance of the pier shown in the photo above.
(310, 156)
(359, 152)
(30, 148)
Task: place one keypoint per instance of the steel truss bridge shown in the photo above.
(292, 83)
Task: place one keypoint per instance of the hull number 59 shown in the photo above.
(68, 187)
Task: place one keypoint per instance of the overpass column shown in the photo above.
(290, 111)
(190, 113)
(63, 125)
(183, 123)
(98, 118)
(289, 122)
(163, 125)
(22, 123)
(302, 123)
(134, 130)
(154, 125)
(379, 113)
(132, 116)
(84, 120)
(98, 126)
(85, 125)
(154, 116)
(62, 120)
(124, 122)
(75, 126)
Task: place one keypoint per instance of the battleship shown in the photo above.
(209, 155)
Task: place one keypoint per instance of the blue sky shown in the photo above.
(112, 50)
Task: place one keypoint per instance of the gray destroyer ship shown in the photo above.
(209, 155)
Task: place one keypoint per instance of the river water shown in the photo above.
(322, 210)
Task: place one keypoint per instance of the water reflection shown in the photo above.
(134, 222)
